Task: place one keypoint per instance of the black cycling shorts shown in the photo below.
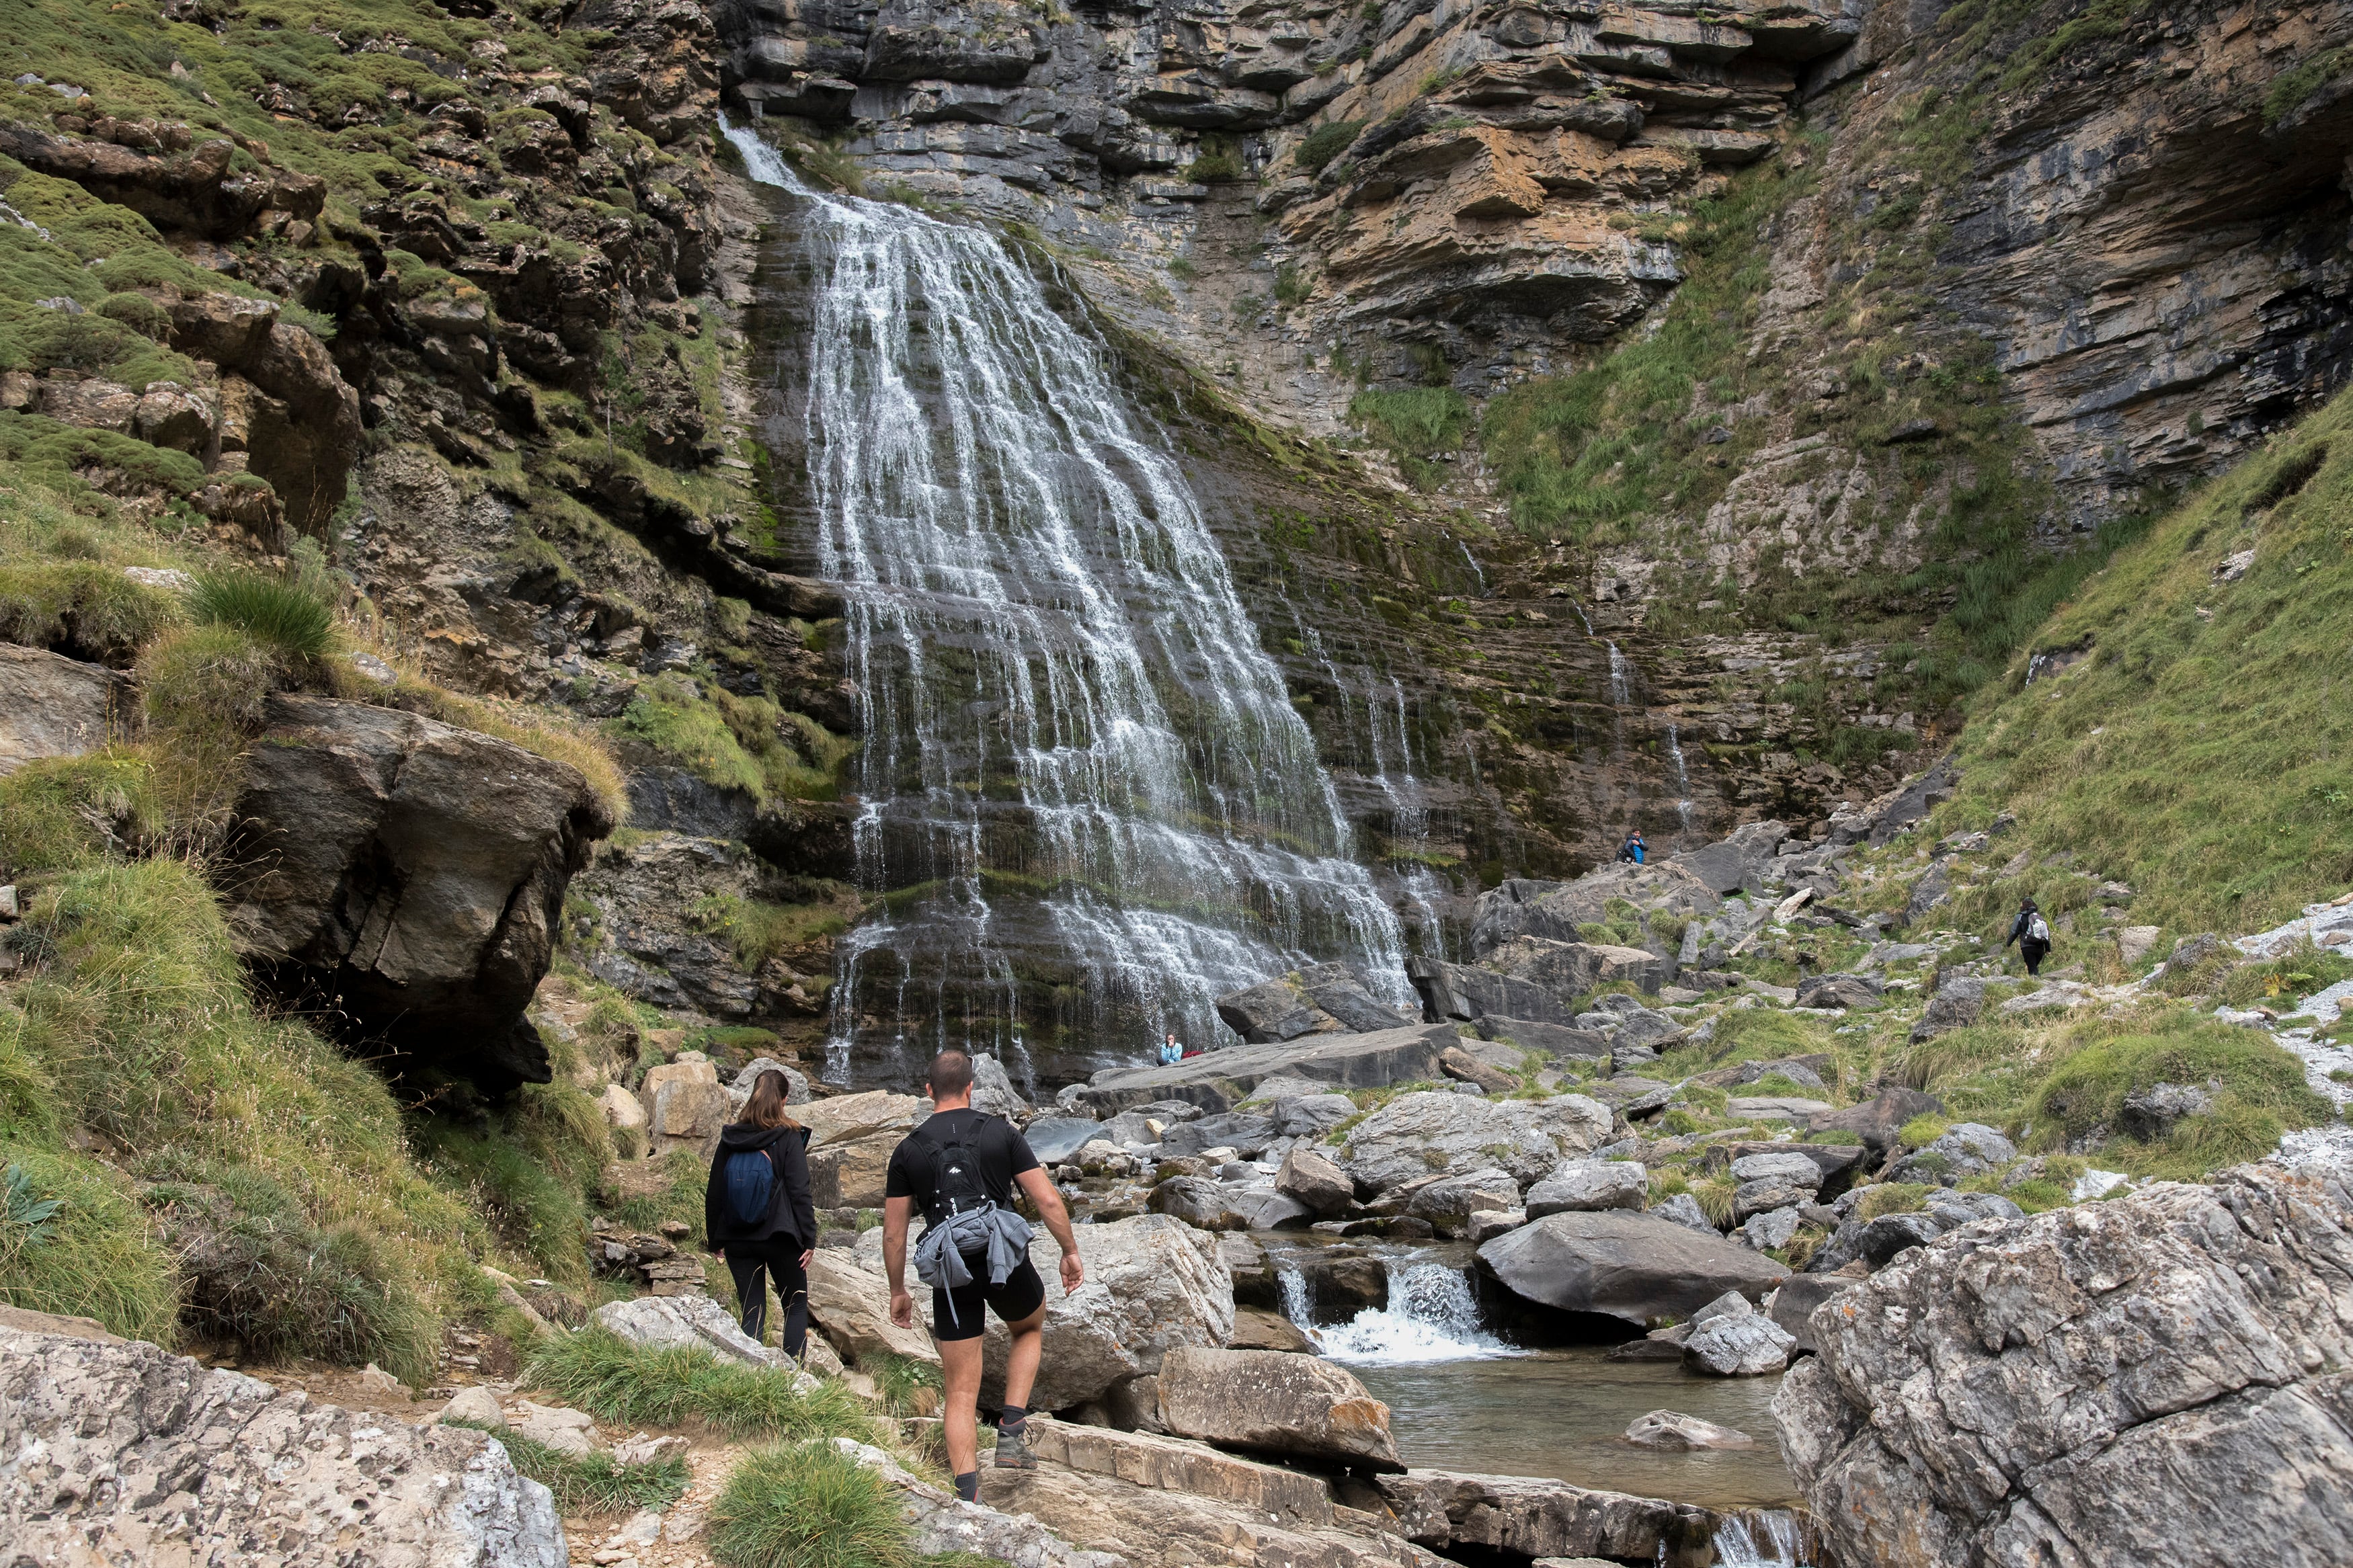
(957, 1314)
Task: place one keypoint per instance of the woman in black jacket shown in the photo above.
(760, 1220)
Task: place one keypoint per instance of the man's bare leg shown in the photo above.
(960, 1370)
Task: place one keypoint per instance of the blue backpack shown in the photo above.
(751, 1186)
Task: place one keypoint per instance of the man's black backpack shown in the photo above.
(957, 1184)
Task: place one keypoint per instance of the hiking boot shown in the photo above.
(1013, 1447)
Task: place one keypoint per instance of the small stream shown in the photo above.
(1462, 1398)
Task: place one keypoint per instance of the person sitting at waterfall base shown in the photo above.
(2033, 934)
(1633, 850)
(960, 1168)
(1171, 1053)
(757, 1212)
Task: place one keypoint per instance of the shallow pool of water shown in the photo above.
(1562, 1412)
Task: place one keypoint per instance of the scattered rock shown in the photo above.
(1323, 999)
(1586, 1185)
(1261, 1401)
(1450, 1203)
(1743, 1345)
(945, 1526)
(1461, 1066)
(1768, 1230)
(1054, 1138)
(1838, 991)
(1417, 1134)
(1773, 1107)
(553, 1426)
(1794, 1301)
(1683, 1209)
(1876, 1120)
(474, 1405)
(1513, 1517)
(1314, 1180)
(113, 1448)
(1959, 1002)
(2135, 943)
(659, 1323)
(2150, 1113)
(1672, 1432)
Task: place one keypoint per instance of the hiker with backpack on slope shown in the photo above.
(960, 1168)
(2033, 934)
(757, 1212)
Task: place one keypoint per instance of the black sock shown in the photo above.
(969, 1486)
(1011, 1416)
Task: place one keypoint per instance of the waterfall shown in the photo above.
(1620, 689)
(1082, 779)
(1431, 1317)
(1683, 777)
(1763, 1538)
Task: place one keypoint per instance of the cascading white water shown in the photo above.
(1076, 755)
(1431, 1317)
(1620, 689)
(1682, 778)
(1762, 1538)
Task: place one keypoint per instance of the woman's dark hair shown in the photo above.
(2026, 903)
(769, 1094)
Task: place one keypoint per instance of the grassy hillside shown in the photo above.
(2199, 748)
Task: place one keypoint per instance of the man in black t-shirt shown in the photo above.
(1003, 1159)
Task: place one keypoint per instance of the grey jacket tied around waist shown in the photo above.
(941, 1255)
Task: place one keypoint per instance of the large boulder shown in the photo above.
(413, 872)
(1672, 1432)
(1794, 1301)
(1201, 1201)
(1320, 999)
(686, 1105)
(125, 1453)
(1737, 862)
(1637, 1267)
(1743, 1342)
(1054, 1138)
(1216, 1080)
(1245, 1132)
(51, 705)
(1449, 1203)
(850, 1116)
(2159, 1378)
(1152, 1283)
(1569, 969)
(850, 1304)
(1838, 992)
(1959, 1001)
(1268, 1402)
(1417, 1134)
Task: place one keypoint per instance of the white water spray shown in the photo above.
(1767, 1538)
(1431, 1317)
(1682, 778)
(1073, 745)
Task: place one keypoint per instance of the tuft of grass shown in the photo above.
(1891, 1197)
(93, 1256)
(1922, 1131)
(276, 613)
(594, 1483)
(808, 1505)
(1414, 423)
(599, 1372)
(907, 1386)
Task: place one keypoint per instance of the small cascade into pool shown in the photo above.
(1764, 1537)
(1431, 1317)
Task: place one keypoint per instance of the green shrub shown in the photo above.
(140, 313)
(1324, 144)
(808, 1505)
(78, 608)
(1890, 1197)
(615, 1381)
(1292, 286)
(57, 812)
(901, 1382)
(2260, 1093)
(272, 611)
(1922, 1131)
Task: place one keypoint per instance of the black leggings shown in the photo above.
(752, 1263)
(2033, 951)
